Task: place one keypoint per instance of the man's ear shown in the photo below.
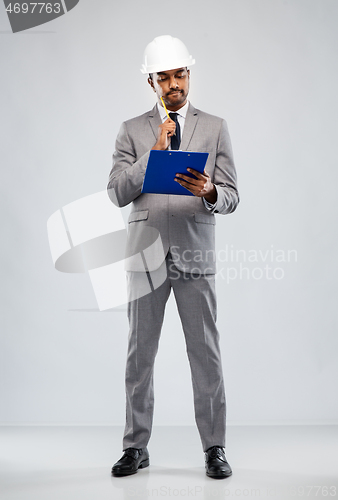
(151, 83)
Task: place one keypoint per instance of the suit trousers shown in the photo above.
(196, 302)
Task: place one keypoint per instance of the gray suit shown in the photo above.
(186, 259)
(182, 221)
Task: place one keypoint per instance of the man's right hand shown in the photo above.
(165, 131)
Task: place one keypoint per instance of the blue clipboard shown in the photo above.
(164, 165)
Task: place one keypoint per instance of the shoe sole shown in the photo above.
(219, 476)
(142, 465)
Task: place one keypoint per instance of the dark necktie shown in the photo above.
(175, 139)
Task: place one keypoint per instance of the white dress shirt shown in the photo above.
(181, 114)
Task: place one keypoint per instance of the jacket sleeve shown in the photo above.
(225, 177)
(126, 176)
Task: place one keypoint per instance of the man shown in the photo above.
(185, 259)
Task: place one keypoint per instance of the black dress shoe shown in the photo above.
(131, 460)
(216, 464)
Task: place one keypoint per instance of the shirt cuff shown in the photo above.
(208, 205)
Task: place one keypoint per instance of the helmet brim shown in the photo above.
(155, 68)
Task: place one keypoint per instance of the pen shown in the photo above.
(165, 108)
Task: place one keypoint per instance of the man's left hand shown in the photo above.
(201, 187)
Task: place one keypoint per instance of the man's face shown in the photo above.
(172, 86)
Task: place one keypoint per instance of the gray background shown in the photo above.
(269, 67)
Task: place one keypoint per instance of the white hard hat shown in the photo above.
(165, 53)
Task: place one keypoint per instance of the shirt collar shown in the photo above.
(182, 111)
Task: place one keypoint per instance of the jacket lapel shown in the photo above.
(190, 123)
(154, 120)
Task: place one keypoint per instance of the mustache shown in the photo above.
(174, 91)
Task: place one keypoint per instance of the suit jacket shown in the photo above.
(160, 222)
